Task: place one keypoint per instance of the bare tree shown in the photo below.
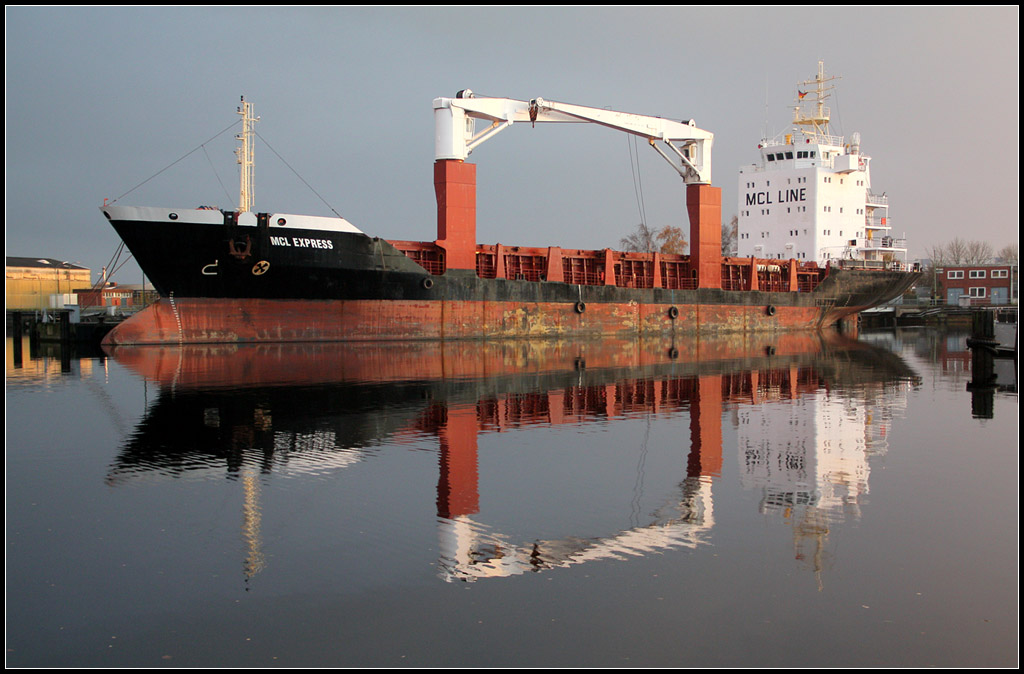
(730, 236)
(1008, 253)
(960, 252)
(978, 252)
(641, 241)
(957, 251)
(937, 254)
(668, 239)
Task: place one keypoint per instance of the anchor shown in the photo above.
(238, 252)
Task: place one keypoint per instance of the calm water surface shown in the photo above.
(791, 501)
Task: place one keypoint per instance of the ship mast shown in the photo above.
(819, 120)
(245, 157)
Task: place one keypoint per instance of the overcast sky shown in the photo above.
(100, 100)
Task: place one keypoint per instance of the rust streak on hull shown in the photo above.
(211, 321)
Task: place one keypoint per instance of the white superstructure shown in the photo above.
(809, 196)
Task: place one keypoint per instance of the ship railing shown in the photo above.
(880, 243)
(734, 284)
(677, 275)
(807, 282)
(771, 275)
(862, 264)
(634, 273)
(826, 139)
(878, 223)
(802, 137)
(583, 270)
(773, 281)
(427, 255)
(486, 265)
(629, 270)
(877, 199)
(525, 267)
(889, 265)
(736, 276)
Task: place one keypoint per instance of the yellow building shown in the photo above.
(32, 281)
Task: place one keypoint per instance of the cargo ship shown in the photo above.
(240, 276)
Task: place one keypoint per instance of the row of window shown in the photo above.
(828, 232)
(780, 156)
(977, 273)
(768, 183)
(801, 154)
(800, 181)
(791, 209)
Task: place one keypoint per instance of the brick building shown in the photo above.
(109, 295)
(978, 284)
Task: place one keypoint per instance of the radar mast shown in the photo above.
(245, 157)
(815, 124)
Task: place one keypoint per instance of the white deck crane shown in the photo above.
(455, 135)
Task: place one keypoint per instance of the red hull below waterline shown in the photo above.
(211, 321)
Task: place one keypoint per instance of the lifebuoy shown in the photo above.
(428, 283)
(580, 307)
(771, 309)
(673, 313)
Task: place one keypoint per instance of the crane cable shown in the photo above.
(634, 164)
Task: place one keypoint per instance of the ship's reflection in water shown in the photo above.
(804, 411)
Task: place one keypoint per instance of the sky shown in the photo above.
(138, 105)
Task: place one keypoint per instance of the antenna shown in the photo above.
(764, 131)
